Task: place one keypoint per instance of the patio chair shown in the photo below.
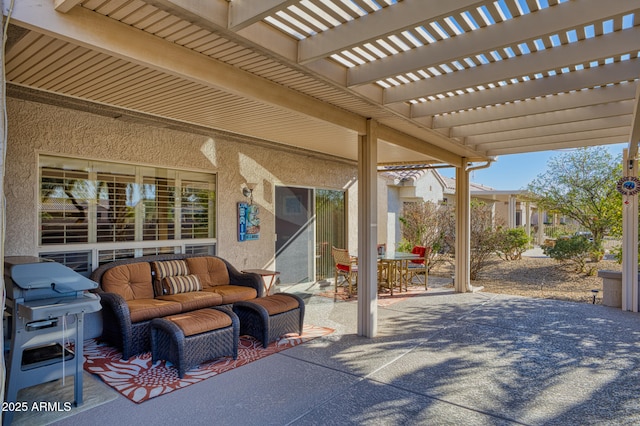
(346, 267)
(418, 267)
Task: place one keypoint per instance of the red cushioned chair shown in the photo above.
(418, 267)
(346, 267)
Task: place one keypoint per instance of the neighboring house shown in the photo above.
(412, 184)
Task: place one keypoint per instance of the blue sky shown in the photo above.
(515, 171)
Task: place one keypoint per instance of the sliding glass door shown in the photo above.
(308, 223)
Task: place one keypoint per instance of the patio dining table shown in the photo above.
(397, 262)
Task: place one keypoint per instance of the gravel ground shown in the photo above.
(539, 277)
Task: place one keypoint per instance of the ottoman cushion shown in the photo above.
(277, 304)
(200, 321)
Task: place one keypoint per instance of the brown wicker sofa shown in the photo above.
(135, 291)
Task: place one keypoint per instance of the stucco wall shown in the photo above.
(36, 128)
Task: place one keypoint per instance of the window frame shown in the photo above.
(139, 246)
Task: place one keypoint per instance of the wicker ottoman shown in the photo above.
(192, 338)
(267, 318)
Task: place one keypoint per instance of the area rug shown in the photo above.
(140, 380)
(384, 298)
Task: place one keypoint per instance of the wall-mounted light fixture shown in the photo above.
(247, 191)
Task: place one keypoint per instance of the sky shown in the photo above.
(515, 171)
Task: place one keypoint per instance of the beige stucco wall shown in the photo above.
(36, 128)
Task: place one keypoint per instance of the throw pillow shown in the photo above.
(170, 268)
(181, 284)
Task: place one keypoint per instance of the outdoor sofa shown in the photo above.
(135, 291)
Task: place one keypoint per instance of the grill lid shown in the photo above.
(30, 273)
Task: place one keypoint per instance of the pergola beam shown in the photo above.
(598, 48)
(534, 121)
(619, 132)
(542, 131)
(65, 5)
(602, 97)
(589, 140)
(562, 83)
(408, 14)
(512, 32)
(243, 13)
(395, 137)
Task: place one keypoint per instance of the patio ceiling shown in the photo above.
(444, 79)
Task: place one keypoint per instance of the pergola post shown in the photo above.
(527, 215)
(463, 229)
(368, 232)
(541, 229)
(512, 212)
(630, 241)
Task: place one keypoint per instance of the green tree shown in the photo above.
(581, 185)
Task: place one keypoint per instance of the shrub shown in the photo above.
(511, 243)
(576, 249)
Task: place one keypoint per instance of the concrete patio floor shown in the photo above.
(439, 358)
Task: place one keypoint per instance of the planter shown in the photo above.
(611, 288)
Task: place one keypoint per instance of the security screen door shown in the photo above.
(295, 234)
(308, 223)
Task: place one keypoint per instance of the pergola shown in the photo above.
(381, 82)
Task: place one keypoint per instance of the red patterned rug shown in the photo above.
(140, 380)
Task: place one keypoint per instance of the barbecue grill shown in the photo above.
(46, 303)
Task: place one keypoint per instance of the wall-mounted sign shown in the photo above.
(248, 222)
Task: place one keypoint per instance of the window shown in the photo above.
(122, 210)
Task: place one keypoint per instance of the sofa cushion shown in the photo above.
(131, 281)
(233, 293)
(146, 309)
(194, 300)
(181, 284)
(167, 268)
(211, 270)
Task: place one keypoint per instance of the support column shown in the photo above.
(541, 214)
(527, 217)
(630, 241)
(368, 232)
(512, 212)
(462, 282)
(3, 212)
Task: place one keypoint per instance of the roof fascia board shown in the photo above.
(561, 83)
(508, 33)
(540, 62)
(406, 14)
(91, 30)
